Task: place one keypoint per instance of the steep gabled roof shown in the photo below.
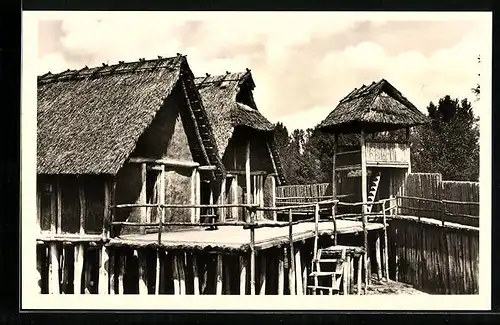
(89, 120)
(374, 108)
(229, 103)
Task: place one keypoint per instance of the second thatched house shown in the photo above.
(245, 142)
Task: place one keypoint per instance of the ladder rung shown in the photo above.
(321, 288)
(329, 260)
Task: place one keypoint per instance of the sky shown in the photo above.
(302, 63)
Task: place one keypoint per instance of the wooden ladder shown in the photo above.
(373, 191)
(331, 279)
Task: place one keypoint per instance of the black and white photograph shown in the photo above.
(342, 156)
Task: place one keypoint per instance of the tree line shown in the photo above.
(449, 145)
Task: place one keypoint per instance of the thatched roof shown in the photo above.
(373, 108)
(229, 102)
(89, 120)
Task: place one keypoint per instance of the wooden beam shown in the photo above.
(386, 244)
(104, 271)
(252, 255)
(165, 162)
(54, 287)
(351, 273)
(243, 274)
(248, 179)
(218, 275)
(334, 172)
(263, 274)
(261, 194)
(161, 201)
(364, 189)
(81, 197)
(272, 157)
(243, 172)
(207, 168)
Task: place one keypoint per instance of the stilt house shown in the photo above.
(127, 133)
(375, 165)
(245, 142)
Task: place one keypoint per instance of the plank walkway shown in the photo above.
(237, 238)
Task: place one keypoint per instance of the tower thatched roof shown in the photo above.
(89, 120)
(229, 102)
(374, 108)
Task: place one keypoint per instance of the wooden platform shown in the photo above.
(229, 238)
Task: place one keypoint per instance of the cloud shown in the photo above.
(303, 63)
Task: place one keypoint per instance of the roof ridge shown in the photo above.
(97, 69)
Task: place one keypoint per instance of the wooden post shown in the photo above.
(248, 179)
(107, 211)
(175, 275)
(143, 198)
(386, 244)
(334, 161)
(161, 201)
(261, 194)
(182, 274)
(77, 279)
(359, 276)
(316, 230)
(252, 254)
(218, 275)
(121, 271)
(281, 274)
(143, 272)
(222, 200)
(378, 256)
(59, 206)
(159, 254)
(193, 194)
(365, 200)
(196, 279)
(263, 274)
(273, 197)
(227, 275)
(234, 197)
(53, 209)
(350, 258)
(345, 276)
(104, 271)
(304, 279)
(54, 287)
(81, 197)
(243, 275)
(298, 273)
(198, 195)
(334, 224)
(40, 258)
(396, 258)
(291, 269)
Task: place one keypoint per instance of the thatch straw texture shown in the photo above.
(374, 108)
(89, 120)
(229, 104)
